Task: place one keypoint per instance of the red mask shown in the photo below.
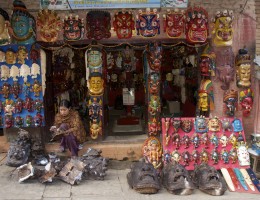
(123, 24)
(98, 25)
(174, 23)
(196, 28)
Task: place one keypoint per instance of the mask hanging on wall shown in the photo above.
(246, 101)
(148, 23)
(4, 23)
(230, 99)
(73, 28)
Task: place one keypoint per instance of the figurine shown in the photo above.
(230, 100)
(14, 73)
(186, 141)
(195, 157)
(205, 140)
(167, 123)
(243, 68)
(4, 24)
(124, 24)
(25, 71)
(26, 89)
(95, 109)
(173, 23)
(8, 121)
(34, 53)
(18, 105)
(38, 120)
(201, 124)
(95, 129)
(38, 105)
(196, 140)
(152, 151)
(154, 126)
(10, 56)
(225, 156)
(35, 70)
(240, 137)
(233, 155)
(36, 88)
(176, 125)
(223, 28)
(196, 28)
(28, 104)
(246, 101)
(214, 139)
(148, 23)
(233, 140)
(167, 157)
(5, 72)
(176, 139)
(6, 89)
(28, 121)
(186, 158)
(204, 156)
(215, 156)
(48, 25)
(18, 121)
(16, 89)
(226, 125)
(23, 24)
(73, 28)
(98, 25)
(9, 109)
(186, 125)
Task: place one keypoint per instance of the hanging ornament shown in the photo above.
(25, 72)
(28, 104)
(8, 121)
(18, 105)
(5, 72)
(16, 89)
(36, 88)
(28, 121)
(215, 156)
(35, 70)
(38, 105)
(38, 120)
(6, 90)
(18, 121)
(14, 73)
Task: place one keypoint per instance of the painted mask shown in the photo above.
(94, 59)
(34, 53)
(237, 125)
(10, 56)
(96, 82)
(23, 24)
(214, 124)
(73, 28)
(2, 56)
(28, 104)
(207, 63)
(48, 25)
(154, 56)
(19, 105)
(201, 125)
(154, 84)
(4, 22)
(243, 68)
(152, 151)
(38, 105)
(196, 28)
(206, 97)
(223, 140)
(226, 125)
(124, 24)
(223, 28)
(18, 121)
(95, 129)
(186, 125)
(243, 155)
(230, 100)
(148, 23)
(95, 109)
(98, 25)
(174, 23)
(246, 101)
(22, 54)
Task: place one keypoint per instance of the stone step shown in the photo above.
(4, 144)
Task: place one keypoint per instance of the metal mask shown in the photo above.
(98, 25)
(174, 23)
(223, 30)
(201, 124)
(196, 28)
(124, 24)
(73, 28)
(48, 25)
(148, 23)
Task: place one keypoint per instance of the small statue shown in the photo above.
(225, 156)
(233, 140)
(237, 125)
(195, 157)
(28, 121)
(204, 156)
(167, 157)
(6, 90)
(95, 129)
(233, 155)
(9, 109)
(38, 105)
(176, 156)
(154, 105)
(176, 139)
(18, 121)
(243, 155)
(230, 100)
(205, 140)
(18, 105)
(38, 120)
(176, 125)
(240, 137)
(28, 104)
(4, 24)
(196, 140)
(186, 158)
(186, 141)
(214, 139)
(26, 89)
(8, 121)
(215, 156)
(223, 140)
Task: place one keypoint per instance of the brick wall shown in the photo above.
(247, 18)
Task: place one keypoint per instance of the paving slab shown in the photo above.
(57, 189)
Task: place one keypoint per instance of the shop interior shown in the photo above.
(66, 78)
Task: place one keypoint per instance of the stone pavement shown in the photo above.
(114, 187)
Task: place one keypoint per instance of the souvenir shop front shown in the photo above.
(129, 71)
